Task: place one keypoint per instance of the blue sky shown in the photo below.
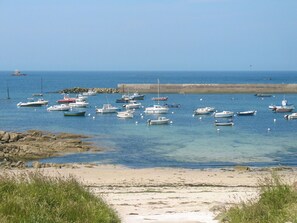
(148, 35)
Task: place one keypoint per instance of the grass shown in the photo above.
(34, 198)
(277, 203)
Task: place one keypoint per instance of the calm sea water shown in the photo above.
(190, 142)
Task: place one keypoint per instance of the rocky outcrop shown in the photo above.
(77, 90)
(16, 148)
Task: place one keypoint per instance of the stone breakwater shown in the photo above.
(208, 88)
(16, 148)
(78, 90)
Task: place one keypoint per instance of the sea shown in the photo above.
(263, 140)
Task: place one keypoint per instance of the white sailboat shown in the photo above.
(157, 109)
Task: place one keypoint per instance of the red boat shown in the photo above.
(160, 99)
(66, 100)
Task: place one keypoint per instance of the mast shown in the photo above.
(41, 86)
(158, 91)
(7, 88)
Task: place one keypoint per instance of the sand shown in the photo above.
(169, 194)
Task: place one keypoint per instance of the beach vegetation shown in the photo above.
(33, 197)
(277, 202)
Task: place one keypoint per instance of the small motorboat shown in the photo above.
(107, 108)
(159, 121)
(283, 109)
(61, 107)
(136, 96)
(66, 100)
(132, 105)
(32, 103)
(224, 123)
(75, 113)
(291, 116)
(246, 113)
(18, 73)
(204, 111)
(125, 114)
(156, 109)
(223, 114)
(79, 103)
(123, 100)
(174, 105)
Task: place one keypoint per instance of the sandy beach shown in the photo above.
(168, 194)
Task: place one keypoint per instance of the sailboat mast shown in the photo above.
(41, 87)
(158, 91)
(8, 97)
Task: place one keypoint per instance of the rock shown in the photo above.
(5, 137)
(36, 165)
(242, 168)
(13, 137)
(2, 134)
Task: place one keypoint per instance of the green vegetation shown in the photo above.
(277, 203)
(39, 199)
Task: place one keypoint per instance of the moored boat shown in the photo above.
(156, 109)
(90, 92)
(136, 96)
(246, 113)
(66, 100)
(291, 116)
(158, 121)
(160, 98)
(32, 103)
(204, 111)
(263, 95)
(132, 105)
(107, 108)
(283, 109)
(75, 113)
(125, 114)
(61, 107)
(223, 114)
(224, 123)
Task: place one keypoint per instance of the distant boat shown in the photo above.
(224, 123)
(246, 113)
(132, 105)
(173, 105)
(156, 109)
(263, 95)
(107, 108)
(159, 121)
(291, 116)
(79, 103)
(75, 113)
(32, 103)
(89, 93)
(66, 100)
(125, 114)
(204, 111)
(223, 114)
(159, 98)
(136, 96)
(18, 73)
(62, 107)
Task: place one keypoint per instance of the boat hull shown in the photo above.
(74, 113)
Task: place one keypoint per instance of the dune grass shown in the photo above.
(36, 198)
(277, 203)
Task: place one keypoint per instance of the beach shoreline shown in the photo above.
(167, 194)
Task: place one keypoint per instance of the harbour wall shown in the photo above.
(208, 88)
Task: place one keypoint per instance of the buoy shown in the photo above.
(171, 122)
(93, 117)
(201, 99)
(200, 118)
(136, 122)
(172, 112)
(89, 114)
(141, 116)
(268, 129)
(274, 120)
(218, 130)
(193, 115)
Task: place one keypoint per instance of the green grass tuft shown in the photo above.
(40, 199)
(277, 203)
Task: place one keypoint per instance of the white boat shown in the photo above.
(89, 93)
(125, 114)
(18, 73)
(159, 121)
(224, 123)
(79, 104)
(107, 108)
(291, 116)
(223, 114)
(246, 113)
(282, 106)
(136, 96)
(156, 109)
(132, 105)
(32, 103)
(204, 111)
(61, 107)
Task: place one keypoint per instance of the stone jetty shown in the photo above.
(16, 148)
(208, 88)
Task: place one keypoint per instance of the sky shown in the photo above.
(146, 35)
